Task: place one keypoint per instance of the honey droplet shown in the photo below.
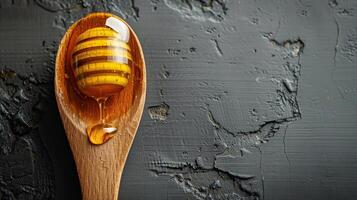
(101, 133)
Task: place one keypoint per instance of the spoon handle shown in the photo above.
(99, 167)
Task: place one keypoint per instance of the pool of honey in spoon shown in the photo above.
(118, 102)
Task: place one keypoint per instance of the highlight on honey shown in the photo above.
(101, 63)
(101, 59)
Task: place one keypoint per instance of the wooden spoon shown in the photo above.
(99, 166)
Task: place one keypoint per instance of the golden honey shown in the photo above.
(101, 61)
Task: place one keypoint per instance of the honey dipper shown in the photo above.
(100, 87)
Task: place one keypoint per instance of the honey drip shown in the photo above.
(101, 132)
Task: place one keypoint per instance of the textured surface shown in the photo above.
(246, 99)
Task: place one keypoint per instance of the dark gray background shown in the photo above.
(246, 99)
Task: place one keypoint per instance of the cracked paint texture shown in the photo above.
(246, 99)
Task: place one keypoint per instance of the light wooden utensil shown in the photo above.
(99, 167)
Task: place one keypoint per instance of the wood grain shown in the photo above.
(99, 167)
